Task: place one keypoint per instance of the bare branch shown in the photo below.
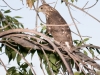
(41, 66)
(92, 5)
(85, 4)
(56, 3)
(81, 10)
(10, 6)
(36, 23)
(21, 40)
(74, 21)
(36, 10)
(81, 36)
(43, 1)
(4, 66)
(87, 45)
(2, 6)
(47, 61)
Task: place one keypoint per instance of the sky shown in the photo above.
(87, 26)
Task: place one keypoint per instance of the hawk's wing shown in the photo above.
(60, 33)
(55, 18)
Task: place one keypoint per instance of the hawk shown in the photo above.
(62, 33)
(59, 29)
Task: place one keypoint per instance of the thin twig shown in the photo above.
(2, 53)
(4, 66)
(36, 22)
(43, 1)
(74, 21)
(10, 6)
(38, 14)
(47, 61)
(41, 65)
(55, 3)
(92, 5)
(85, 4)
(22, 2)
(2, 6)
(82, 36)
(4, 27)
(87, 45)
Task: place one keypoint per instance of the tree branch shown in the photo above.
(81, 10)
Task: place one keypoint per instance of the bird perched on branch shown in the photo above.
(61, 32)
(56, 25)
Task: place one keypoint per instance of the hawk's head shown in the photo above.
(46, 9)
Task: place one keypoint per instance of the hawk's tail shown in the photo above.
(85, 59)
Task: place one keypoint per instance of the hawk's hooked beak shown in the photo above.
(39, 9)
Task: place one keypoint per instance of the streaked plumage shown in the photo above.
(61, 33)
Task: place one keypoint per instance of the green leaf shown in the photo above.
(79, 44)
(30, 72)
(11, 70)
(13, 55)
(85, 52)
(92, 52)
(17, 17)
(18, 58)
(24, 54)
(1, 49)
(86, 39)
(48, 70)
(52, 58)
(98, 51)
(76, 73)
(83, 41)
(63, 68)
(62, 1)
(24, 65)
(7, 11)
(72, 63)
(44, 27)
(55, 69)
(72, 1)
(76, 41)
(22, 25)
(81, 73)
(8, 52)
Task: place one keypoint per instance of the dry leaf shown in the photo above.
(30, 3)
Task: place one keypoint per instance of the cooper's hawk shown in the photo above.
(59, 29)
(62, 33)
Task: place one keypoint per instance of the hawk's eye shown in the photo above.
(41, 8)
